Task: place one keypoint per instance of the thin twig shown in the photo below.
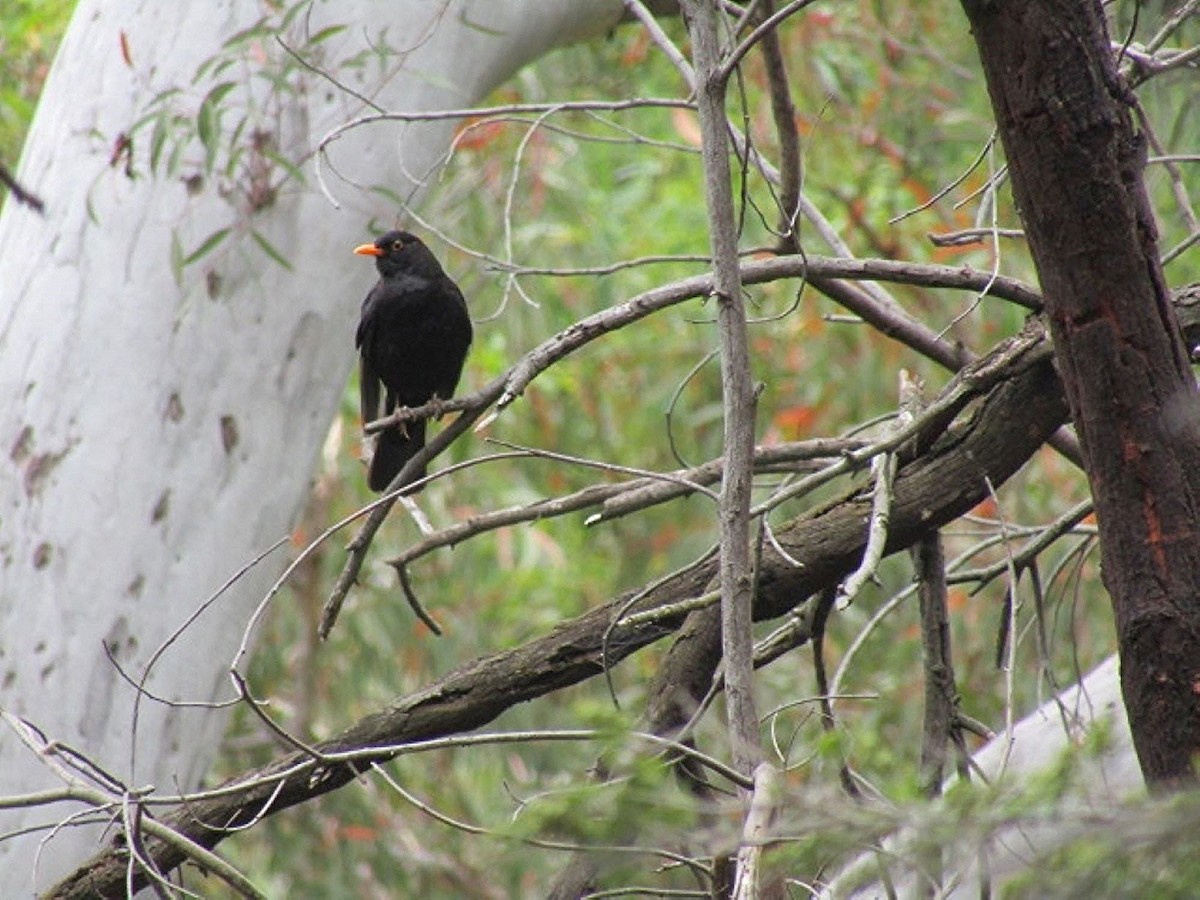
(678, 481)
(324, 73)
(783, 113)
(883, 467)
(967, 236)
(942, 192)
(1045, 536)
(469, 828)
(176, 635)
(411, 596)
(761, 31)
(1011, 608)
(30, 199)
(481, 112)
(664, 43)
(357, 549)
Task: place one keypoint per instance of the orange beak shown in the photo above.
(368, 250)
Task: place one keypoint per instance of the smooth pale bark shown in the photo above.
(160, 434)
(1038, 744)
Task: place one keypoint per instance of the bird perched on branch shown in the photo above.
(412, 338)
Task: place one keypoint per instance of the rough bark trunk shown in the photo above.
(1075, 161)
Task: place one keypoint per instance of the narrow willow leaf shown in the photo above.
(269, 249)
(176, 258)
(206, 246)
(158, 137)
(208, 121)
(325, 34)
(259, 29)
(292, 170)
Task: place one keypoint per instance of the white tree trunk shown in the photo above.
(1038, 744)
(159, 434)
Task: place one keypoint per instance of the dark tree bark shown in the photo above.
(1075, 161)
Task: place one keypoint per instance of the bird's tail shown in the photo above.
(392, 450)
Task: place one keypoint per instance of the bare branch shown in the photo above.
(18, 192)
(737, 391)
(764, 807)
(883, 468)
(783, 111)
(566, 106)
(505, 389)
(761, 32)
(967, 236)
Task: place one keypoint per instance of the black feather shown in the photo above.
(412, 337)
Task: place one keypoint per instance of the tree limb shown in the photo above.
(504, 390)
(737, 391)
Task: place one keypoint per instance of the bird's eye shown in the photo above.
(397, 245)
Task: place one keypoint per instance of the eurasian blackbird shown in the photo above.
(413, 337)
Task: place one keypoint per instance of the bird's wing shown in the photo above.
(368, 379)
(460, 342)
(368, 387)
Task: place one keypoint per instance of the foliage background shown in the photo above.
(892, 108)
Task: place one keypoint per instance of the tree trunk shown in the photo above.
(1075, 161)
(163, 421)
(1037, 745)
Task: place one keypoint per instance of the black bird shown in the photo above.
(413, 338)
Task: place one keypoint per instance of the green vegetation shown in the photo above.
(29, 34)
(585, 196)
(891, 108)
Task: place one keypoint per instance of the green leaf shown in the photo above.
(208, 120)
(175, 157)
(176, 258)
(220, 67)
(217, 94)
(202, 69)
(158, 137)
(238, 149)
(292, 170)
(162, 97)
(269, 249)
(325, 34)
(232, 161)
(290, 16)
(388, 193)
(235, 136)
(206, 246)
(259, 29)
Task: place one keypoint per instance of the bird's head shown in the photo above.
(399, 251)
